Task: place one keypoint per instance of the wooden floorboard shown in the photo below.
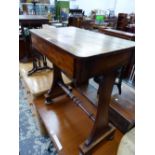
(68, 124)
(71, 126)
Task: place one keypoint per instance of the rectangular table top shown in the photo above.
(82, 43)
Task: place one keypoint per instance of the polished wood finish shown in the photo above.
(68, 126)
(70, 49)
(118, 33)
(85, 150)
(102, 117)
(35, 85)
(78, 42)
(40, 82)
(73, 47)
(55, 90)
(32, 20)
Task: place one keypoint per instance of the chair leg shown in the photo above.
(120, 77)
(119, 88)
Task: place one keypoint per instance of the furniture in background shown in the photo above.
(32, 21)
(118, 33)
(28, 22)
(34, 2)
(129, 71)
(75, 21)
(40, 9)
(125, 29)
(126, 22)
(131, 23)
(130, 28)
(62, 9)
(118, 80)
(125, 74)
(87, 23)
(81, 22)
(76, 18)
(73, 58)
(122, 21)
(39, 60)
(76, 12)
(21, 44)
(21, 47)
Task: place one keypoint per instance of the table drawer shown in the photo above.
(56, 55)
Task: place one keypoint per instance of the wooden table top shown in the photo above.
(82, 43)
(32, 17)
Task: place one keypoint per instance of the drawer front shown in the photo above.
(56, 55)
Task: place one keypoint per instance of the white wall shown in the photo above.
(89, 5)
(52, 2)
(126, 6)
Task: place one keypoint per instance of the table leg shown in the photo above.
(55, 89)
(102, 129)
(102, 117)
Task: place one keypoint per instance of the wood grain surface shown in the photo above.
(82, 43)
